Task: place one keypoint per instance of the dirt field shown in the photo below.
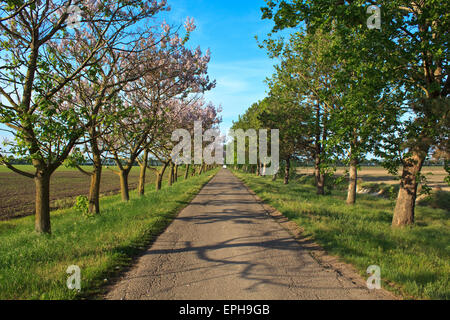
(17, 192)
(435, 175)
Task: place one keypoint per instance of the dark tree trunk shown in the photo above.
(96, 176)
(406, 201)
(186, 174)
(287, 170)
(159, 177)
(320, 178)
(42, 217)
(352, 183)
(142, 174)
(171, 172)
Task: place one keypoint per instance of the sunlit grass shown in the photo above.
(34, 266)
(414, 260)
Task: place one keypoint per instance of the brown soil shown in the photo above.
(17, 192)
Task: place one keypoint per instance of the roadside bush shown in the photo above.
(437, 200)
(82, 206)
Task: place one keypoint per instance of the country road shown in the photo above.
(224, 246)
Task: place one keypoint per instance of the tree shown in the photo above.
(36, 65)
(150, 52)
(413, 45)
(309, 74)
(283, 110)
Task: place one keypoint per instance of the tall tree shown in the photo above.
(36, 64)
(413, 47)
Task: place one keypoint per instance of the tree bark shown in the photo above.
(94, 190)
(287, 170)
(320, 133)
(353, 181)
(170, 179)
(142, 174)
(320, 178)
(406, 201)
(186, 174)
(124, 185)
(42, 217)
(159, 176)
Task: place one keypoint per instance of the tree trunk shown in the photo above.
(186, 174)
(124, 185)
(159, 177)
(142, 173)
(42, 217)
(170, 179)
(274, 177)
(96, 176)
(94, 190)
(320, 178)
(352, 183)
(406, 201)
(287, 170)
(175, 177)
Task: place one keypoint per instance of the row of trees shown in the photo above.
(343, 91)
(113, 85)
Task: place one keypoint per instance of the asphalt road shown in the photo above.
(224, 246)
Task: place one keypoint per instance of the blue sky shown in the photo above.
(228, 29)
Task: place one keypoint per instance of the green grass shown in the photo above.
(414, 261)
(34, 266)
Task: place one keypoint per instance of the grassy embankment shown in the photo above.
(34, 267)
(414, 261)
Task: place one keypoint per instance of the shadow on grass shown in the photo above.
(415, 258)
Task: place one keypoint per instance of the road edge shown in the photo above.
(103, 291)
(316, 251)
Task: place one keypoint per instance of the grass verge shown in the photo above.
(414, 261)
(34, 267)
